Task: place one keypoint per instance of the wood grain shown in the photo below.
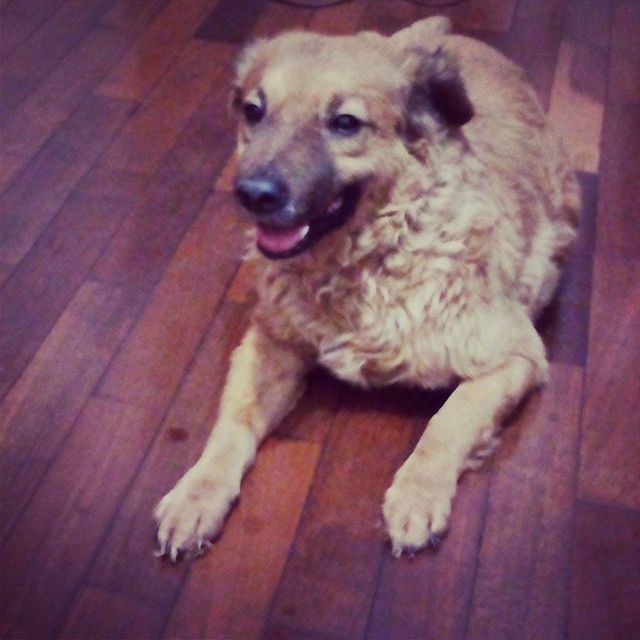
(224, 600)
(125, 563)
(618, 210)
(527, 532)
(604, 577)
(42, 285)
(154, 357)
(610, 446)
(490, 15)
(28, 64)
(330, 577)
(66, 518)
(153, 129)
(154, 52)
(624, 77)
(39, 412)
(34, 197)
(34, 121)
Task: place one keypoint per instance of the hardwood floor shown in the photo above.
(122, 296)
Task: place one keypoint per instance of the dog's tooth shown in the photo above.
(335, 205)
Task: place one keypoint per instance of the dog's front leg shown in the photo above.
(418, 503)
(264, 382)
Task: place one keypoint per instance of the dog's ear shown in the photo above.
(421, 33)
(436, 90)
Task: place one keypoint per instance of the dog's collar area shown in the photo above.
(279, 243)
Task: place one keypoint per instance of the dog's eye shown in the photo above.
(345, 124)
(253, 112)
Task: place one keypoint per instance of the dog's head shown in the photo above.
(323, 121)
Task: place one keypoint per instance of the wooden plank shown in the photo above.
(154, 357)
(227, 595)
(5, 272)
(580, 81)
(624, 74)
(276, 17)
(38, 413)
(34, 197)
(536, 26)
(40, 288)
(389, 17)
(527, 533)
(67, 516)
(610, 447)
(153, 129)
(98, 614)
(56, 97)
(154, 52)
(429, 596)
(618, 214)
(231, 20)
(564, 325)
(330, 577)
(490, 15)
(128, 15)
(30, 63)
(605, 581)
(125, 563)
(339, 19)
(169, 200)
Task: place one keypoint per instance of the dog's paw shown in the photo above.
(192, 514)
(416, 509)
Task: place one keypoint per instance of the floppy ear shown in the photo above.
(436, 90)
(421, 33)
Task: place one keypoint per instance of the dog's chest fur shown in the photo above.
(384, 317)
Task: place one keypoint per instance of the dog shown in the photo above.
(412, 209)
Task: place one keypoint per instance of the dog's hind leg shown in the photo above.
(264, 382)
(418, 503)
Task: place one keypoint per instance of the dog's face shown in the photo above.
(322, 124)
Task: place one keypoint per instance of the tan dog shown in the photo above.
(412, 209)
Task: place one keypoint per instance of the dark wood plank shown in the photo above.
(39, 289)
(428, 597)
(276, 17)
(521, 589)
(605, 582)
(618, 219)
(221, 597)
(580, 82)
(19, 19)
(100, 614)
(330, 577)
(180, 310)
(536, 27)
(339, 19)
(125, 563)
(170, 199)
(38, 413)
(153, 129)
(231, 20)
(34, 197)
(389, 17)
(29, 64)
(610, 446)
(48, 552)
(490, 15)
(154, 52)
(56, 97)
(565, 323)
(624, 75)
(128, 15)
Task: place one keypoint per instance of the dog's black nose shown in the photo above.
(262, 195)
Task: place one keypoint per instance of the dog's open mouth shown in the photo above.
(277, 243)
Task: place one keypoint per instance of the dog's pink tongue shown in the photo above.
(281, 240)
